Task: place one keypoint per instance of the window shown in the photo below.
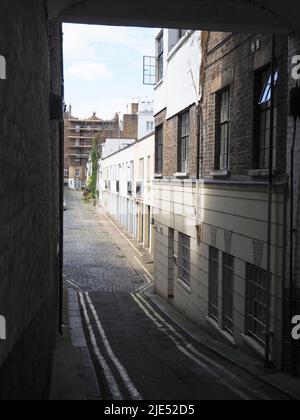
(184, 258)
(150, 68)
(213, 283)
(77, 173)
(223, 130)
(160, 57)
(228, 283)
(150, 125)
(181, 32)
(131, 170)
(174, 36)
(142, 169)
(66, 172)
(139, 189)
(256, 296)
(263, 118)
(184, 139)
(159, 144)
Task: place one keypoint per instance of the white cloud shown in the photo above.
(88, 71)
(105, 109)
(84, 42)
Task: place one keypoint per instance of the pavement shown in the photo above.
(123, 342)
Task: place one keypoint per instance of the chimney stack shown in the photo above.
(134, 108)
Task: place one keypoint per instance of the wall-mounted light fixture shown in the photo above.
(2, 68)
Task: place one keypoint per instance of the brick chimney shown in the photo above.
(134, 108)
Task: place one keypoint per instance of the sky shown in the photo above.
(104, 68)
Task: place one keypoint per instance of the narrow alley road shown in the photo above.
(137, 351)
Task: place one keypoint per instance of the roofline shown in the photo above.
(131, 145)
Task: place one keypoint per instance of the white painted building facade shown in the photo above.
(126, 189)
(146, 119)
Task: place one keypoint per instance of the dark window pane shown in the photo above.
(256, 296)
(213, 283)
(184, 258)
(228, 290)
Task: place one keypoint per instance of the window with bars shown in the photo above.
(213, 283)
(159, 145)
(263, 118)
(228, 290)
(223, 130)
(257, 300)
(160, 57)
(184, 259)
(184, 140)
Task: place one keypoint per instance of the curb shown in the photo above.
(262, 378)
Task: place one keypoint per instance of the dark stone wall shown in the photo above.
(29, 216)
(292, 348)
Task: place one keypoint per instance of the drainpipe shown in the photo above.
(292, 232)
(270, 211)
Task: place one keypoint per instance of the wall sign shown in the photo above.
(2, 68)
(2, 328)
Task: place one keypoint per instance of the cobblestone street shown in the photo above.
(92, 260)
(129, 347)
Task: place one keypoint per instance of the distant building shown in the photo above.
(145, 119)
(79, 135)
(125, 189)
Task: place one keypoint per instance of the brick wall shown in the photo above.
(230, 62)
(130, 129)
(29, 215)
(171, 136)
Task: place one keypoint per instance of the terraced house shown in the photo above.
(125, 188)
(219, 220)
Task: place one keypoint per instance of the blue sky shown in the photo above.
(104, 68)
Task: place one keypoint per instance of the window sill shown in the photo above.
(158, 176)
(221, 174)
(225, 335)
(261, 173)
(181, 175)
(158, 84)
(178, 45)
(254, 345)
(184, 286)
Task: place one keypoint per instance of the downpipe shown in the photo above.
(270, 212)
